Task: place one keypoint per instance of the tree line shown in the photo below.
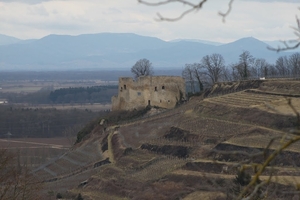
(94, 94)
(212, 69)
(43, 123)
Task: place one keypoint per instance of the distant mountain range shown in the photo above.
(118, 51)
(5, 40)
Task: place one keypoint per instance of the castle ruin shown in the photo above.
(160, 91)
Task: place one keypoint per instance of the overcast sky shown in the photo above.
(262, 19)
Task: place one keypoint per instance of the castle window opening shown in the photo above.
(163, 87)
(155, 89)
(124, 87)
(148, 102)
(169, 101)
(121, 89)
(139, 93)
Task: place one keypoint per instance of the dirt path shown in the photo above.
(285, 180)
(54, 146)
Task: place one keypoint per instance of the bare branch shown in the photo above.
(224, 15)
(166, 2)
(295, 41)
(266, 163)
(192, 7)
(269, 145)
(161, 18)
(255, 191)
(286, 46)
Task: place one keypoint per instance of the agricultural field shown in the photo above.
(52, 104)
(34, 152)
(95, 107)
(30, 86)
(36, 130)
(61, 90)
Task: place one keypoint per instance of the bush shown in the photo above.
(242, 178)
(112, 118)
(86, 130)
(79, 197)
(125, 115)
(59, 196)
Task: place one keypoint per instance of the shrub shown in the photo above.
(79, 197)
(86, 130)
(59, 196)
(112, 118)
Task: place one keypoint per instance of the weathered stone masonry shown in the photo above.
(161, 91)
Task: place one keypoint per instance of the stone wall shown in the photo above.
(161, 91)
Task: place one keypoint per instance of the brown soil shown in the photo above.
(178, 151)
(285, 158)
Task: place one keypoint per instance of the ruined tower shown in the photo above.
(160, 91)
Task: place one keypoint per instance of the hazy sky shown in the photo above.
(262, 19)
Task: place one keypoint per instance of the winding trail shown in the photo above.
(54, 146)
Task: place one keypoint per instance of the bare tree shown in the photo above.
(243, 67)
(214, 66)
(232, 72)
(260, 68)
(198, 74)
(188, 75)
(294, 62)
(16, 183)
(282, 66)
(142, 67)
(237, 72)
(227, 74)
(272, 70)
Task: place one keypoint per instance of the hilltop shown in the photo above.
(183, 153)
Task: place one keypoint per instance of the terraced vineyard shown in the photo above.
(214, 129)
(158, 169)
(177, 153)
(262, 140)
(244, 99)
(74, 161)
